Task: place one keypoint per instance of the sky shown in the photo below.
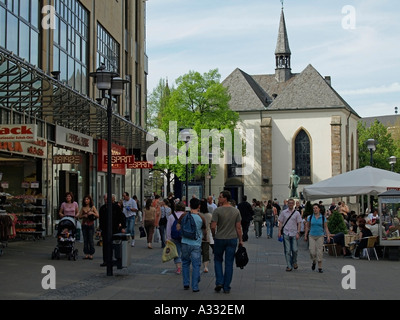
(356, 42)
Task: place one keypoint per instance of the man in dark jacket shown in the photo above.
(246, 212)
(118, 223)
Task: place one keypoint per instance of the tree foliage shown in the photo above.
(385, 147)
(198, 102)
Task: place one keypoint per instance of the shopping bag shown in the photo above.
(156, 238)
(169, 252)
(241, 257)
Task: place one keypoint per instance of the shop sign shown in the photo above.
(37, 149)
(18, 132)
(116, 150)
(141, 165)
(67, 159)
(120, 159)
(73, 139)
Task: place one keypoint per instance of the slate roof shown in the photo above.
(305, 91)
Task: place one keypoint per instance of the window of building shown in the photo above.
(108, 50)
(71, 43)
(19, 28)
(303, 157)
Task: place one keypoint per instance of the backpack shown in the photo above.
(188, 227)
(175, 233)
(269, 213)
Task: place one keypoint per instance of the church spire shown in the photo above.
(282, 52)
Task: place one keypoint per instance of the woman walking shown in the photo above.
(316, 230)
(88, 214)
(149, 221)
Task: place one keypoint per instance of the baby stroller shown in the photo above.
(66, 239)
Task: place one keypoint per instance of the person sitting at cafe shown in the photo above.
(338, 238)
(372, 217)
(362, 242)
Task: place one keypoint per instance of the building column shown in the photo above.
(266, 159)
(336, 145)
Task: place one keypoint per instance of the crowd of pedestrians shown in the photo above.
(222, 226)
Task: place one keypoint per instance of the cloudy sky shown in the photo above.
(356, 42)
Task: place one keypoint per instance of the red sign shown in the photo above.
(116, 150)
(141, 165)
(122, 159)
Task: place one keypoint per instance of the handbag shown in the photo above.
(142, 232)
(241, 257)
(169, 252)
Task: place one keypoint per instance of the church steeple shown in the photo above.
(283, 71)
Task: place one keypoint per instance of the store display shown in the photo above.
(30, 214)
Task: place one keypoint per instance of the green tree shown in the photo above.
(385, 147)
(199, 102)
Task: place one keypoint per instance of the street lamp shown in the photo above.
(210, 155)
(186, 135)
(392, 161)
(108, 81)
(371, 145)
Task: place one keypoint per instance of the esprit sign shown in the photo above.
(120, 159)
(18, 132)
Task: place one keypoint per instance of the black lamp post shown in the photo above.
(107, 81)
(392, 162)
(185, 133)
(371, 145)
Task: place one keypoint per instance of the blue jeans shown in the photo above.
(163, 231)
(290, 246)
(270, 226)
(227, 246)
(178, 244)
(130, 226)
(88, 242)
(191, 254)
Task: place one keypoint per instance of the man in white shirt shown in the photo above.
(129, 209)
(210, 204)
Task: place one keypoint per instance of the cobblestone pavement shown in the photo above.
(147, 278)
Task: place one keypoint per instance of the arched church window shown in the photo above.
(303, 157)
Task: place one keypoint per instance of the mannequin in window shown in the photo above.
(294, 180)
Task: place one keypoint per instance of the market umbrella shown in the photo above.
(363, 181)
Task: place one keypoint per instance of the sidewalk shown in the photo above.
(147, 278)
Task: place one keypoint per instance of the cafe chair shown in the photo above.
(370, 245)
(330, 246)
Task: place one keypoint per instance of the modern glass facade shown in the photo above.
(19, 28)
(108, 50)
(71, 44)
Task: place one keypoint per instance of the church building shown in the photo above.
(300, 123)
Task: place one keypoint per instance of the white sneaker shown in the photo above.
(133, 243)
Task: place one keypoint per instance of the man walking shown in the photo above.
(226, 229)
(130, 209)
(290, 222)
(118, 224)
(246, 212)
(191, 249)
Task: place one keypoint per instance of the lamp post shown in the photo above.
(371, 145)
(392, 162)
(210, 155)
(186, 135)
(107, 81)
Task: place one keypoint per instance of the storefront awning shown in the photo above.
(28, 95)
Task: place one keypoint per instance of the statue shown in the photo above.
(293, 184)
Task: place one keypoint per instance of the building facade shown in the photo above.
(300, 123)
(53, 118)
